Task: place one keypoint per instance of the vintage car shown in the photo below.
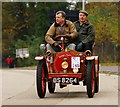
(67, 67)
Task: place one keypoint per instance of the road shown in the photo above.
(19, 89)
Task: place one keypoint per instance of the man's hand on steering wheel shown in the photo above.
(68, 36)
(56, 44)
(56, 47)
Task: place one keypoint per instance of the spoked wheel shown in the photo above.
(51, 87)
(41, 78)
(90, 78)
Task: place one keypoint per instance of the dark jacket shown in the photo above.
(85, 31)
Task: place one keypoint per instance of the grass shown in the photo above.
(110, 64)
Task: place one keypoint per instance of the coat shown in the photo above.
(54, 31)
(85, 31)
(9, 60)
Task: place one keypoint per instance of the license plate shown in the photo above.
(65, 80)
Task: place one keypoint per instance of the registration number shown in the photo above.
(65, 80)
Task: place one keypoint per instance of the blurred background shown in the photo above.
(24, 25)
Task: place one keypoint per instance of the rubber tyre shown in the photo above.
(51, 87)
(97, 80)
(90, 79)
(97, 85)
(41, 78)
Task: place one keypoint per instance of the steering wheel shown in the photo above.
(60, 37)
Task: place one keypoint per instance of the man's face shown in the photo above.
(59, 18)
(82, 17)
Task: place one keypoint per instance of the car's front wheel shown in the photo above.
(41, 78)
(97, 78)
(90, 78)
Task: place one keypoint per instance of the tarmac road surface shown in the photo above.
(19, 89)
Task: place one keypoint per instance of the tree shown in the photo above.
(25, 25)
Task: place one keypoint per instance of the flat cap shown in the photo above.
(83, 11)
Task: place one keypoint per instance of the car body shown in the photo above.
(67, 67)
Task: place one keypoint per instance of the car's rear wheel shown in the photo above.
(90, 78)
(41, 78)
(51, 87)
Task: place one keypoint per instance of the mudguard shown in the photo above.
(90, 58)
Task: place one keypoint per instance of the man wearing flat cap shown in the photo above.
(86, 33)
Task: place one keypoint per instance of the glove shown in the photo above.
(56, 47)
(68, 36)
(56, 44)
(79, 47)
